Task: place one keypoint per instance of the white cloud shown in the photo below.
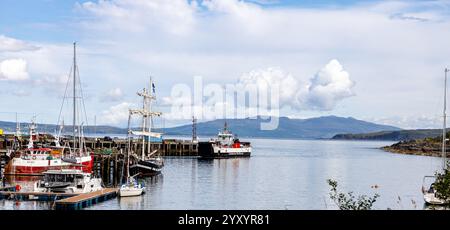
(14, 70)
(113, 95)
(329, 86)
(170, 16)
(116, 115)
(410, 122)
(8, 44)
(269, 78)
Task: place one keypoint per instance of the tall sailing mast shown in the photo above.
(146, 96)
(444, 128)
(146, 114)
(149, 118)
(77, 124)
(74, 95)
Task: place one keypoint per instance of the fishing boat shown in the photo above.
(226, 145)
(34, 160)
(429, 195)
(67, 181)
(149, 163)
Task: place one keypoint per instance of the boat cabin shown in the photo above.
(65, 175)
(225, 139)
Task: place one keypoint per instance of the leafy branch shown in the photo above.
(348, 201)
(442, 184)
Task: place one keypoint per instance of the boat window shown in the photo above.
(47, 177)
(70, 178)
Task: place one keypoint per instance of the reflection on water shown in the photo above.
(281, 174)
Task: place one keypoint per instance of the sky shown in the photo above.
(380, 61)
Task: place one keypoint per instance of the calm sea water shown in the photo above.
(281, 174)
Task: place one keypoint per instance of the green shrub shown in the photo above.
(442, 184)
(349, 201)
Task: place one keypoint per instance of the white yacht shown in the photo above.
(131, 188)
(68, 181)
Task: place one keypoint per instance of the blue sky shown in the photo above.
(374, 55)
(35, 20)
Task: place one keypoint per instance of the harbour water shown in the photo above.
(281, 174)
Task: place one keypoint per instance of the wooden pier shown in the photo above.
(33, 196)
(109, 160)
(108, 153)
(168, 147)
(71, 201)
(86, 199)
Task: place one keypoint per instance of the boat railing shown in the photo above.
(425, 186)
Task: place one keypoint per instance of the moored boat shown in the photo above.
(430, 195)
(33, 160)
(67, 181)
(131, 186)
(226, 145)
(148, 162)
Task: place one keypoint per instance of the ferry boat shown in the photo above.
(67, 181)
(226, 145)
(34, 161)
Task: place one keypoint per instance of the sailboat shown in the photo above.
(429, 195)
(74, 174)
(35, 161)
(148, 163)
(131, 186)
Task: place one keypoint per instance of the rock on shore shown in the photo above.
(423, 147)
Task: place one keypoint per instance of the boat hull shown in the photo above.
(127, 192)
(22, 167)
(146, 168)
(211, 151)
(431, 199)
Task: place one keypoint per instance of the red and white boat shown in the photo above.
(33, 162)
(36, 160)
(226, 145)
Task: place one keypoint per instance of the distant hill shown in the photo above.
(398, 135)
(312, 128)
(50, 128)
